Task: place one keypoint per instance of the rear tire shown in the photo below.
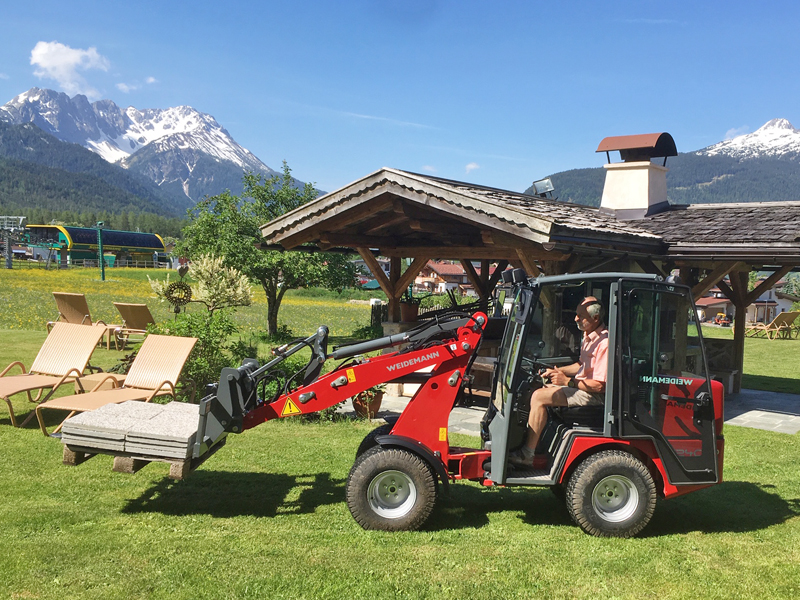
(390, 489)
(611, 494)
(370, 440)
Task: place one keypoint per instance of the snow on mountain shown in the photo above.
(776, 139)
(119, 134)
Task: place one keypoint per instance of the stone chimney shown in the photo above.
(636, 187)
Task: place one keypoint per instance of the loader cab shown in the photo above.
(657, 386)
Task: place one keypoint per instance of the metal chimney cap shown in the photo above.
(640, 147)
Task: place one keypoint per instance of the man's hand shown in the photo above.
(557, 376)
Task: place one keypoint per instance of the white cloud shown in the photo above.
(127, 88)
(429, 169)
(472, 166)
(736, 132)
(62, 63)
(3, 76)
(151, 80)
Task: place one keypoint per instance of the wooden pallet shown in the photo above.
(131, 463)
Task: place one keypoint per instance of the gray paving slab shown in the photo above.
(160, 451)
(92, 442)
(171, 425)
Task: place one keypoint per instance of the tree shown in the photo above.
(228, 226)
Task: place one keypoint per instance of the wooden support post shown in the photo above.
(394, 301)
(528, 263)
(739, 281)
(473, 277)
(410, 275)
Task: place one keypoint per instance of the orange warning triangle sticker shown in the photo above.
(290, 409)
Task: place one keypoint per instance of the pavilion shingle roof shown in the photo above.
(724, 224)
(563, 215)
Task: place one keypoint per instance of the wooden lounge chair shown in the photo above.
(73, 308)
(63, 357)
(781, 326)
(154, 372)
(135, 319)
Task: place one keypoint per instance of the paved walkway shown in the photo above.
(771, 411)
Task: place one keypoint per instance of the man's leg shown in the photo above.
(537, 419)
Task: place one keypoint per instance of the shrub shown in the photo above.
(209, 355)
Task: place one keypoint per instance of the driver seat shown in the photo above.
(580, 416)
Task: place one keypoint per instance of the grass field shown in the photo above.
(265, 517)
(27, 301)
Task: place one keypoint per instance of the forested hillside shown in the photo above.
(41, 171)
(694, 178)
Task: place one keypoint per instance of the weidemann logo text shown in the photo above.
(413, 361)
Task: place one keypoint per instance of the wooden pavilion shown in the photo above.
(398, 214)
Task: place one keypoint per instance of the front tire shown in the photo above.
(371, 439)
(390, 489)
(611, 494)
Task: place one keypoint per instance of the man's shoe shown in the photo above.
(535, 461)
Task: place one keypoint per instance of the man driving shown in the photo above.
(580, 384)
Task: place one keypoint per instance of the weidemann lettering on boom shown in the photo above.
(413, 361)
(666, 380)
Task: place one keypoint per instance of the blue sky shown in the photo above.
(495, 93)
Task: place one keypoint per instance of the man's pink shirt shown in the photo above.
(594, 356)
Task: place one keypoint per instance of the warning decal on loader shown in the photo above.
(290, 409)
(351, 375)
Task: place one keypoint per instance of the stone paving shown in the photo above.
(771, 411)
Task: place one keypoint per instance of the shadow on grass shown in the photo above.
(732, 507)
(231, 494)
(469, 507)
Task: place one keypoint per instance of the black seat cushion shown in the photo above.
(582, 416)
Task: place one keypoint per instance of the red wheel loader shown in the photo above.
(659, 432)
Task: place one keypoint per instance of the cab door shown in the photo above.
(665, 392)
(509, 384)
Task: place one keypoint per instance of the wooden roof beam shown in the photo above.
(714, 278)
(337, 218)
(527, 260)
(410, 275)
(767, 284)
(474, 278)
(377, 272)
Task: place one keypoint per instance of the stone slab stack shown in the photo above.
(165, 431)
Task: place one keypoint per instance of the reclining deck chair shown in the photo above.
(63, 357)
(154, 372)
(135, 319)
(73, 308)
(781, 326)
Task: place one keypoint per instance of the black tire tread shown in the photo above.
(587, 471)
(369, 440)
(379, 459)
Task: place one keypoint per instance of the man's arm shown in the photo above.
(563, 376)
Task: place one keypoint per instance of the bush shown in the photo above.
(210, 353)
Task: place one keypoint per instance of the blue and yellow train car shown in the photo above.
(71, 244)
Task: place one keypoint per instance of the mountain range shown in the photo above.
(756, 167)
(59, 153)
(186, 153)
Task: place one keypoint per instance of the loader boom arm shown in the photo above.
(443, 348)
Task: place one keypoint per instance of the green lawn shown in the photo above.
(265, 517)
(772, 365)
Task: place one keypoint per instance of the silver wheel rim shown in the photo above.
(391, 494)
(615, 498)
